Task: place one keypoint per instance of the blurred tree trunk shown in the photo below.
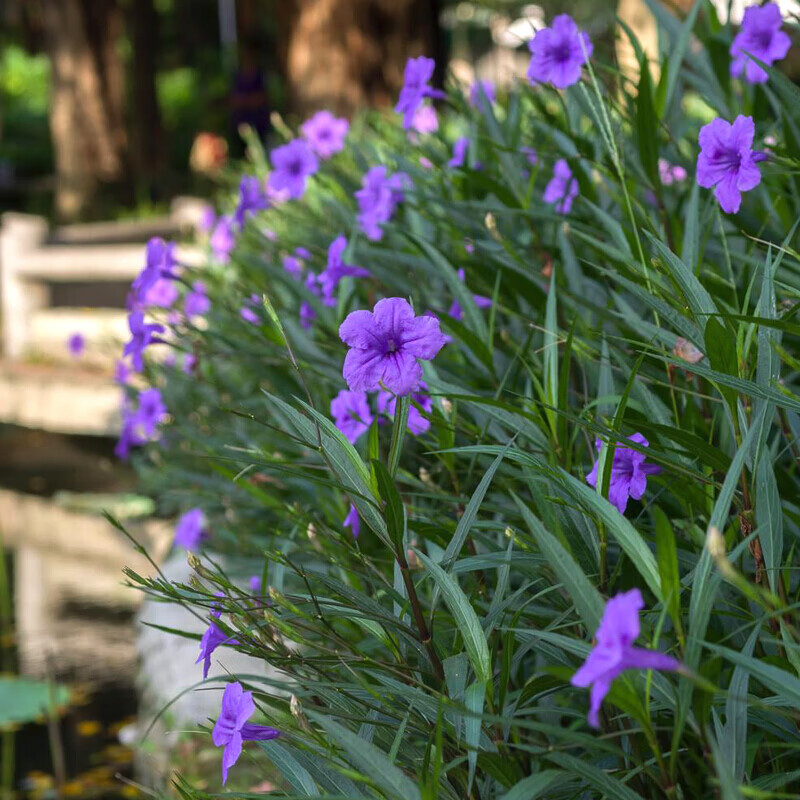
(147, 131)
(348, 54)
(87, 99)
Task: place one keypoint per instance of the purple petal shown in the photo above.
(360, 329)
(402, 373)
(363, 369)
(422, 337)
(598, 692)
(230, 755)
(391, 315)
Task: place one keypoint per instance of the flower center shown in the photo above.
(295, 168)
(729, 158)
(391, 346)
(764, 39)
(561, 52)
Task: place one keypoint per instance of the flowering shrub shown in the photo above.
(486, 437)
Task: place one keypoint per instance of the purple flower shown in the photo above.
(251, 198)
(207, 219)
(190, 530)
(670, 173)
(425, 120)
(456, 311)
(188, 363)
(128, 436)
(417, 424)
(386, 345)
(558, 53)
(216, 608)
(293, 266)
(212, 639)
(628, 472)
(353, 521)
(760, 36)
(232, 727)
(415, 89)
(530, 155)
(196, 302)
(351, 414)
(223, 240)
(141, 336)
(307, 313)
(337, 269)
(255, 584)
(459, 152)
(121, 372)
(247, 314)
(151, 411)
(562, 188)
(140, 424)
(378, 198)
(302, 252)
(162, 293)
(614, 651)
(76, 344)
(292, 164)
(325, 133)
(481, 92)
(159, 262)
(727, 161)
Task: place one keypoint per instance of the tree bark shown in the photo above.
(147, 130)
(349, 54)
(87, 99)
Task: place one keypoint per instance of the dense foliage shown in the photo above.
(614, 415)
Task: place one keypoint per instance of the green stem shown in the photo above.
(398, 433)
(419, 617)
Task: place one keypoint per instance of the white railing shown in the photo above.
(33, 258)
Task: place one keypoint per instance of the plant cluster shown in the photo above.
(482, 421)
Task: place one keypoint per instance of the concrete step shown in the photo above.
(65, 399)
(104, 331)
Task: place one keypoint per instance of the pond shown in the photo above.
(69, 619)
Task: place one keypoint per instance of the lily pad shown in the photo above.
(23, 700)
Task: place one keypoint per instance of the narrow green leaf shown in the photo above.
(550, 354)
(721, 351)
(734, 743)
(398, 432)
(785, 685)
(531, 788)
(290, 768)
(368, 759)
(598, 779)
(647, 123)
(728, 787)
(473, 700)
(697, 297)
(393, 510)
(619, 527)
(587, 599)
(667, 556)
(471, 512)
(465, 617)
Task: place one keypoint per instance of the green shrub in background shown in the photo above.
(614, 415)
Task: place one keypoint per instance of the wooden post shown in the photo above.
(20, 234)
